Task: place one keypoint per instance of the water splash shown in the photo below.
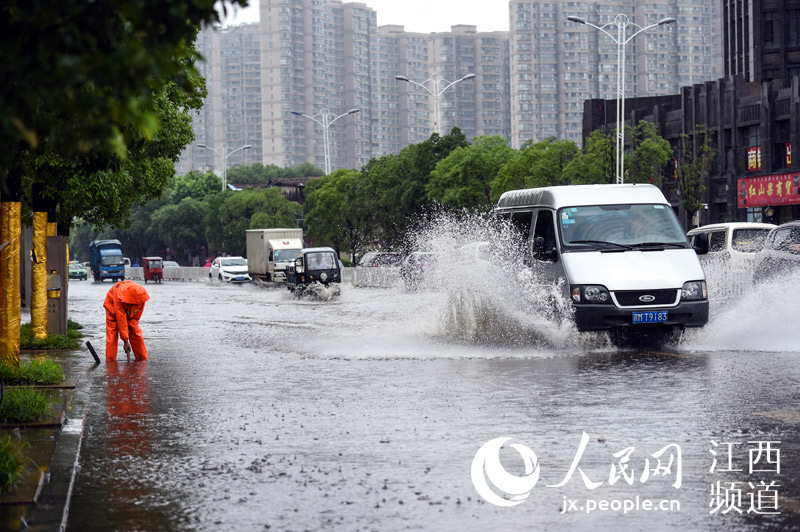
(759, 318)
(489, 296)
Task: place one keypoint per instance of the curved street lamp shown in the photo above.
(225, 154)
(436, 93)
(621, 22)
(325, 123)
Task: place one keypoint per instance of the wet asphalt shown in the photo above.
(257, 411)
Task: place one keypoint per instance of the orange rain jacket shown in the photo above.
(124, 306)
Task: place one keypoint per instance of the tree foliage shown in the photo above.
(694, 165)
(231, 213)
(463, 179)
(83, 76)
(649, 156)
(335, 214)
(538, 164)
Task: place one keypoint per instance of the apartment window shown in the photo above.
(769, 33)
(793, 27)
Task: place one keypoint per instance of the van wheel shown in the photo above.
(220, 277)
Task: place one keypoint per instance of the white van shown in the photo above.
(734, 240)
(620, 250)
(732, 249)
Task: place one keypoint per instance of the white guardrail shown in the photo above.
(190, 273)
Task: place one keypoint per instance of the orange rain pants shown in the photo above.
(124, 306)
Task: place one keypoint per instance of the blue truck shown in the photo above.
(107, 260)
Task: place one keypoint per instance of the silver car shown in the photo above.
(780, 254)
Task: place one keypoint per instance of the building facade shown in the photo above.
(761, 39)
(753, 126)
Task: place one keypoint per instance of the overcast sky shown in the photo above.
(423, 16)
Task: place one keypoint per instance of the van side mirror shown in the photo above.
(541, 253)
(298, 265)
(701, 243)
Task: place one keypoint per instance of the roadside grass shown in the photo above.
(23, 405)
(54, 341)
(10, 464)
(40, 371)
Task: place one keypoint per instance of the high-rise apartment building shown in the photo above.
(231, 115)
(325, 56)
(556, 64)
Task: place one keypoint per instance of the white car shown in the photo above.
(229, 270)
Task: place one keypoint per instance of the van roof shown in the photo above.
(576, 195)
(732, 225)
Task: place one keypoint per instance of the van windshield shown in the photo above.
(619, 227)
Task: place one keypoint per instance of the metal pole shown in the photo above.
(437, 108)
(621, 21)
(620, 48)
(622, 24)
(326, 141)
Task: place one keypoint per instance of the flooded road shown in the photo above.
(260, 412)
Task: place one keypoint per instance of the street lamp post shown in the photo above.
(325, 123)
(437, 92)
(621, 22)
(225, 154)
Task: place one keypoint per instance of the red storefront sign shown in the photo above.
(775, 189)
(754, 159)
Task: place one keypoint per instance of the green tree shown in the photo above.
(101, 188)
(596, 163)
(335, 213)
(84, 75)
(194, 185)
(650, 154)
(463, 179)
(538, 164)
(394, 188)
(182, 226)
(695, 156)
(230, 214)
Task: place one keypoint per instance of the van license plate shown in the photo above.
(650, 317)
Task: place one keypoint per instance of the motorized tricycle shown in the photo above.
(153, 269)
(316, 272)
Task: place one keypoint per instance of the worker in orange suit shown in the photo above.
(124, 305)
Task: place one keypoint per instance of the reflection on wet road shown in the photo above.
(257, 411)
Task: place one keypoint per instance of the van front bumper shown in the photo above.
(602, 317)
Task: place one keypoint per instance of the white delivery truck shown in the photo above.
(620, 253)
(270, 252)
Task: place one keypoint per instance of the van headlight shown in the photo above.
(694, 291)
(592, 293)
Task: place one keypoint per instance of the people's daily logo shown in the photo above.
(496, 485)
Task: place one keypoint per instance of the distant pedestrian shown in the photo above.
(207, 264)
(136, 264)
(124, 305)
